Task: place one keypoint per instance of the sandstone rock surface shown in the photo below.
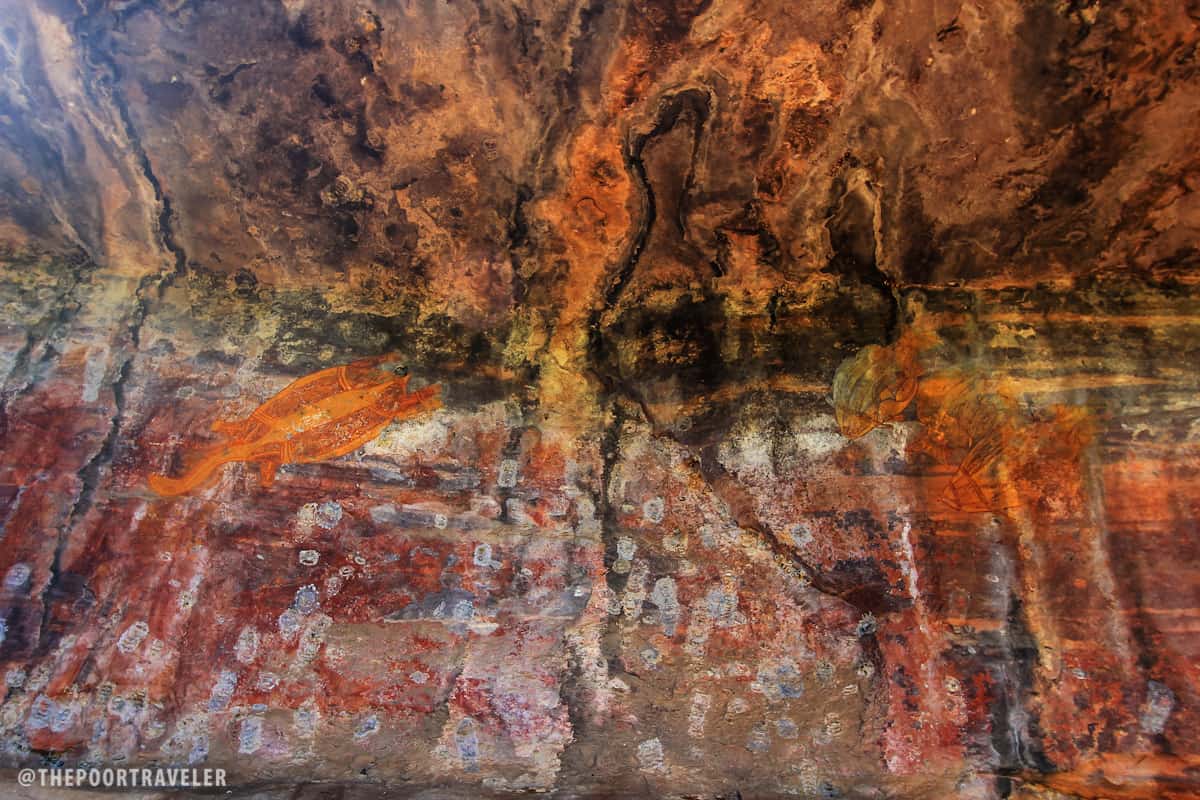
(819, 395)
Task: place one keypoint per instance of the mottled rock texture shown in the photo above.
(636, 553)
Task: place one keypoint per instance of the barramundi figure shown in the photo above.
(315, 418)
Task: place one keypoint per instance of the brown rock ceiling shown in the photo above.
(818, 392)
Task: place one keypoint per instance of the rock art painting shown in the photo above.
(320, 416)
(601, 399)
(964, 415)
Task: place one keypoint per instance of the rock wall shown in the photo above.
(818, 395)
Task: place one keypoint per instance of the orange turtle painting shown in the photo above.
(960, 414)
(320, 416)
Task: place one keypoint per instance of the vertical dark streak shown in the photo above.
(154, 284)
(669, 112)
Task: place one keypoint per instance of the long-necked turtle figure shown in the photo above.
(959, 413)
(320, 416)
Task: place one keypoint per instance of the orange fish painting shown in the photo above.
(320, 416)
